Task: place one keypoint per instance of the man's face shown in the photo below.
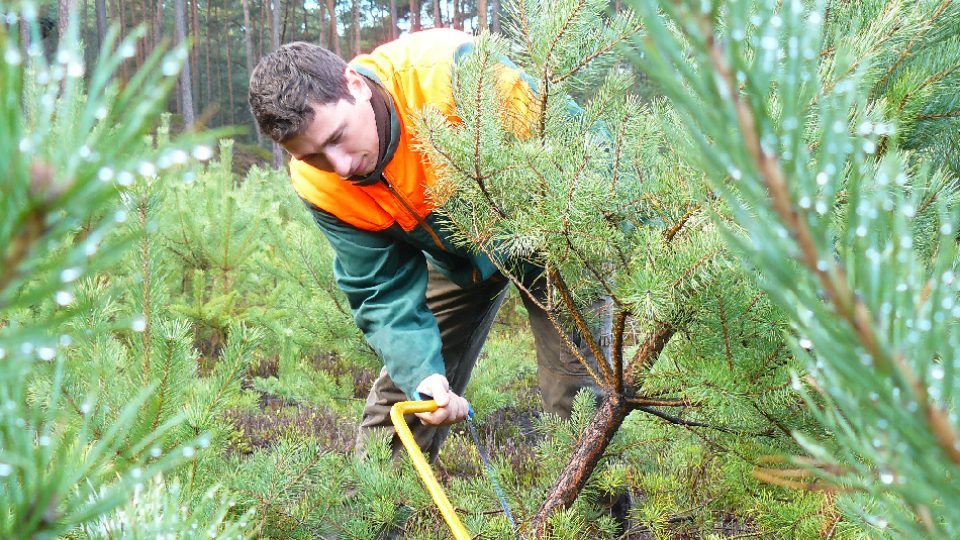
(342, 137)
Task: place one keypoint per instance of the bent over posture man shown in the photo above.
(424, 304)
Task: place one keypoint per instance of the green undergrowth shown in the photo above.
(226, 306)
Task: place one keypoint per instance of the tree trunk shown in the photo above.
(186, 92)
(393, 19)
(495, 23)
(437, 19)
(195, 48)
(101, 8)
(64, 8)
(227, 46)
(264, 21)
(415, 15)
(586, 454)
(457, 15)
(206, 53)
(274, 45)
(482, 14)
(158, 23)
(146, 44)
(334, 35)
(118, 12)
(248, 44)
(323, 40)
(356, 27)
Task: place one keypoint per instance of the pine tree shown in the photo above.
(628, 213)
(841, 176)
(72, 150)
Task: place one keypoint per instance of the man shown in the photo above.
(424, 304)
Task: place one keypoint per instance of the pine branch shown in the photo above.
(672, 231)
(582, 327)
(849, 306)
(147, 300)
(726, 333)
(905, 53)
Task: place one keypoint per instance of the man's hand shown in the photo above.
(451, 408)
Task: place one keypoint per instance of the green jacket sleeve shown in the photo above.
(385, 281)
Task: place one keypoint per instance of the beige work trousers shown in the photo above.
(464, 316)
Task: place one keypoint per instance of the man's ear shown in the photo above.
(356, 85)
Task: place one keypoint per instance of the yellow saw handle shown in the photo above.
(420, 463)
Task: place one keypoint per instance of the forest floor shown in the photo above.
(504, 393)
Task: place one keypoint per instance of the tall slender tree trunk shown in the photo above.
(457, 15)
(306, 21)
(146, 44)
(437, 19)
(495, 20)
(482, 14)
(227, 46)
(100, 6)
(206, 53)
(158, 22)
(195, 48)
(334, 34)
(415, 15)
(274, 45)
(121, 20)
(216, 69)
(186, 85)
(64, 7)
(322, 37)
(248, 45)
(264, 21)
(393, 19)
(356, 27)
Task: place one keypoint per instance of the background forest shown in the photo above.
(770, 218)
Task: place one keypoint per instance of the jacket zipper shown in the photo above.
(410, 210)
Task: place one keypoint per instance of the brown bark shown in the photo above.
(262, 28)
(649, 351)
(186, 85)
(64, 7)
(322, 39)
(158, 22)
(415, 15)
(495, 22)
(226, 38)
(437, 18)
(118, 11)
(274, 45)
(482, 14)
(586, 454)
(356, 27)
(393, 19)
(457, 15)
(334, 36)
(248, 45)
(195, 48)
(100, 6)
(206, 53)
(146, 44)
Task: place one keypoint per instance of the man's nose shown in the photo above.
(339, 161)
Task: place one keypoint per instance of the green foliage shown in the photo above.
(66, 461)
(805, 126)
(206, 372)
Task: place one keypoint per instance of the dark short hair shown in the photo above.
(288, 81)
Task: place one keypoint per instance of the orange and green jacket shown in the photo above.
(384, 233)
